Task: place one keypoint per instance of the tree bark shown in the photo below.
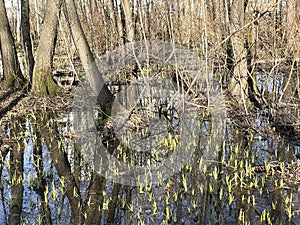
(238, 83)
(115, 19)
(43, 83)
(11, 68)
(184, 21)
(292, 25)
(105, 97)
(27, 44)
(128, 20)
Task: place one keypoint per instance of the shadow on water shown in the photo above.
(253, 178)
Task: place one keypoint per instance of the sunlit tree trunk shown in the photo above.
(113, 19)
(11, 68)
(27, 45)
(115, 25)
(238, 83)
(185, 21)
(18, 23)
(117, 16)
(292, 26)
(43, 83)
(37, 18)
(170, 33)
(94, 77)
(148, 22)
(127, 8)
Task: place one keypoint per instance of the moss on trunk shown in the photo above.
(12, 81)
(45, 85)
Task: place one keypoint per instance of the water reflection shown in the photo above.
(45, 179)
(270, 83)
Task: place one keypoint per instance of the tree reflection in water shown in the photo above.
(45, 180)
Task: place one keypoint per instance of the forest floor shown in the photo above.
(18, 103)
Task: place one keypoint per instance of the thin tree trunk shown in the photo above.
(292, 25)
(128, 20)
(43, 83)
(95, 79)
(238, 85)
(11, 68)
(148, 23)
(18, 23)
(27, 44)
(115, 19)
(118, 21)
(37, 19)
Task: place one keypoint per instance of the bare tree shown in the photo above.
(87, 59)
(292, 25)
(11, 68)
(128, 20)
(238, 85)
(115, 19)
(27, 44)
(43, 83)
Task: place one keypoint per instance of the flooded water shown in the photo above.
(250, 177)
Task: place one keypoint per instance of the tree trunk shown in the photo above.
(11, 68)
(94, 77)
(185, 21)
(37, 19)
(27, 45)
(238, 83)
(43, 83)
(292, 25)
(115, 19)
(118, 21)
(18, 23)
(148, 23)
(128, 20)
